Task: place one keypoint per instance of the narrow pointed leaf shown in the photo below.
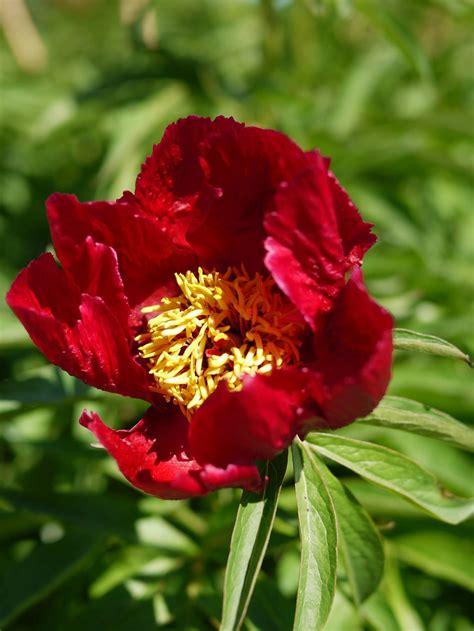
(395, 593)
(406, 340)
(360, 543)
(318, 532)
(378, 613)
(395, 472)
(411, 416)
(249, 542)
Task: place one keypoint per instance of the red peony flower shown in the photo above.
(225, 291)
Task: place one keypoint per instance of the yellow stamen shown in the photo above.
(221, 326)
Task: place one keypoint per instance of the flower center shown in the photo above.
(221, 326)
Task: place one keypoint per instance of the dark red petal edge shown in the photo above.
(356, 234)
(215, 180)
(147, 255)
(86, 335)
(352, 358)
(252, 424)
(304, 249)
(154, 457)
(315, 235)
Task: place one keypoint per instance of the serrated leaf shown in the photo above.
(43, 571)
(359, 540)
(318, 532)
(443, 554)
(412, 416)
(252, 529)
(395, 472)
(406, 340)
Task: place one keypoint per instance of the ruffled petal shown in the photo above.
(254, 423)
(218, 178)
(356, 234)
(147, 257)
(86, 335)
(352, 358)
(154, 457)
(315, 235)
(304, 249)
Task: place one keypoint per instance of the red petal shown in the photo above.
(218, 177)
(352, 348)
(252, 424)
(154, 457)
(356, 234)
(79, 332)
(95, 270)
(147, 257)
(304, 248)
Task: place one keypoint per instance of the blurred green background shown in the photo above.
(87, 87)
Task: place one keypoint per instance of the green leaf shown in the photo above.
(44, 570)
(406, 340)
(378, 613)
(411, 416)
(157, 531)
(394, 590)
(128, 562)
(443, 554)
(359, 540)
(250, 537)
(343, 615)
(395, 472)
(269, 608)
(318, 532)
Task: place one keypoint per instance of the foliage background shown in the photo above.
(87, 86)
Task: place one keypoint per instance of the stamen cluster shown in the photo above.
(221, 326)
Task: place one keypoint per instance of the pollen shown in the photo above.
(219, 327)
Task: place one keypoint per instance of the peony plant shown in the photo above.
(226, 291)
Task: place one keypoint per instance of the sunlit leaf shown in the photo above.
(249, 542)
(411, 416)
(406, 340)
(395, 472)
(318, 533)
(359, 540)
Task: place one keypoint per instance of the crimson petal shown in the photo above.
(352, 350)
(218, 178)
(251, 424)
(148, 258)
(355, 233)
(304, 249)
(154, 457)
(86, 335)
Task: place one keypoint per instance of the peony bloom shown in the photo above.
(226, 291)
